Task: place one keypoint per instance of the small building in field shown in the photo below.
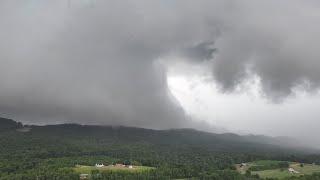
(130, 166)
(243, 164)
(99, 165)
(291, 170)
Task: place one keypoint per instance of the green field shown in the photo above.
(242, 170)
(274, 173)
(87, 169)
(307, 169)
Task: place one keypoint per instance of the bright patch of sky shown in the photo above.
(242, 111)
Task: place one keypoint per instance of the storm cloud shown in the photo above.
(96, 62)
(277, 41)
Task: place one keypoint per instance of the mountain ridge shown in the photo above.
(184, 135)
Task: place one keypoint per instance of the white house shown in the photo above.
(291, 170)
(243, 164)
(99, 165)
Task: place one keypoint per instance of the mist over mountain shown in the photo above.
(121, 134)
(97, 62)
(169, 89)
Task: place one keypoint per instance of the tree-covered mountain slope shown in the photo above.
(175, 153)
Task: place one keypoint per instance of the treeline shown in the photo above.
(315, 176)
(163, 175)
(51, 152)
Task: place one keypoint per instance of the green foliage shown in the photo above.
(52, 152)
(315, 176)
(248, 172)
(8, 124)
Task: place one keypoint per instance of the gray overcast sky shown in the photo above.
(110, 62)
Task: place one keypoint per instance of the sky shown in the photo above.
(216, 65)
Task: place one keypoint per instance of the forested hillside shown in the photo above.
(48, 152)
(8, 124)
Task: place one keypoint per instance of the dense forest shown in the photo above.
(52, 151)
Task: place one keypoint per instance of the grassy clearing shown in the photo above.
(243, 169)
(280, 173)
(87, 169)
(275, 173)
(306, 169)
